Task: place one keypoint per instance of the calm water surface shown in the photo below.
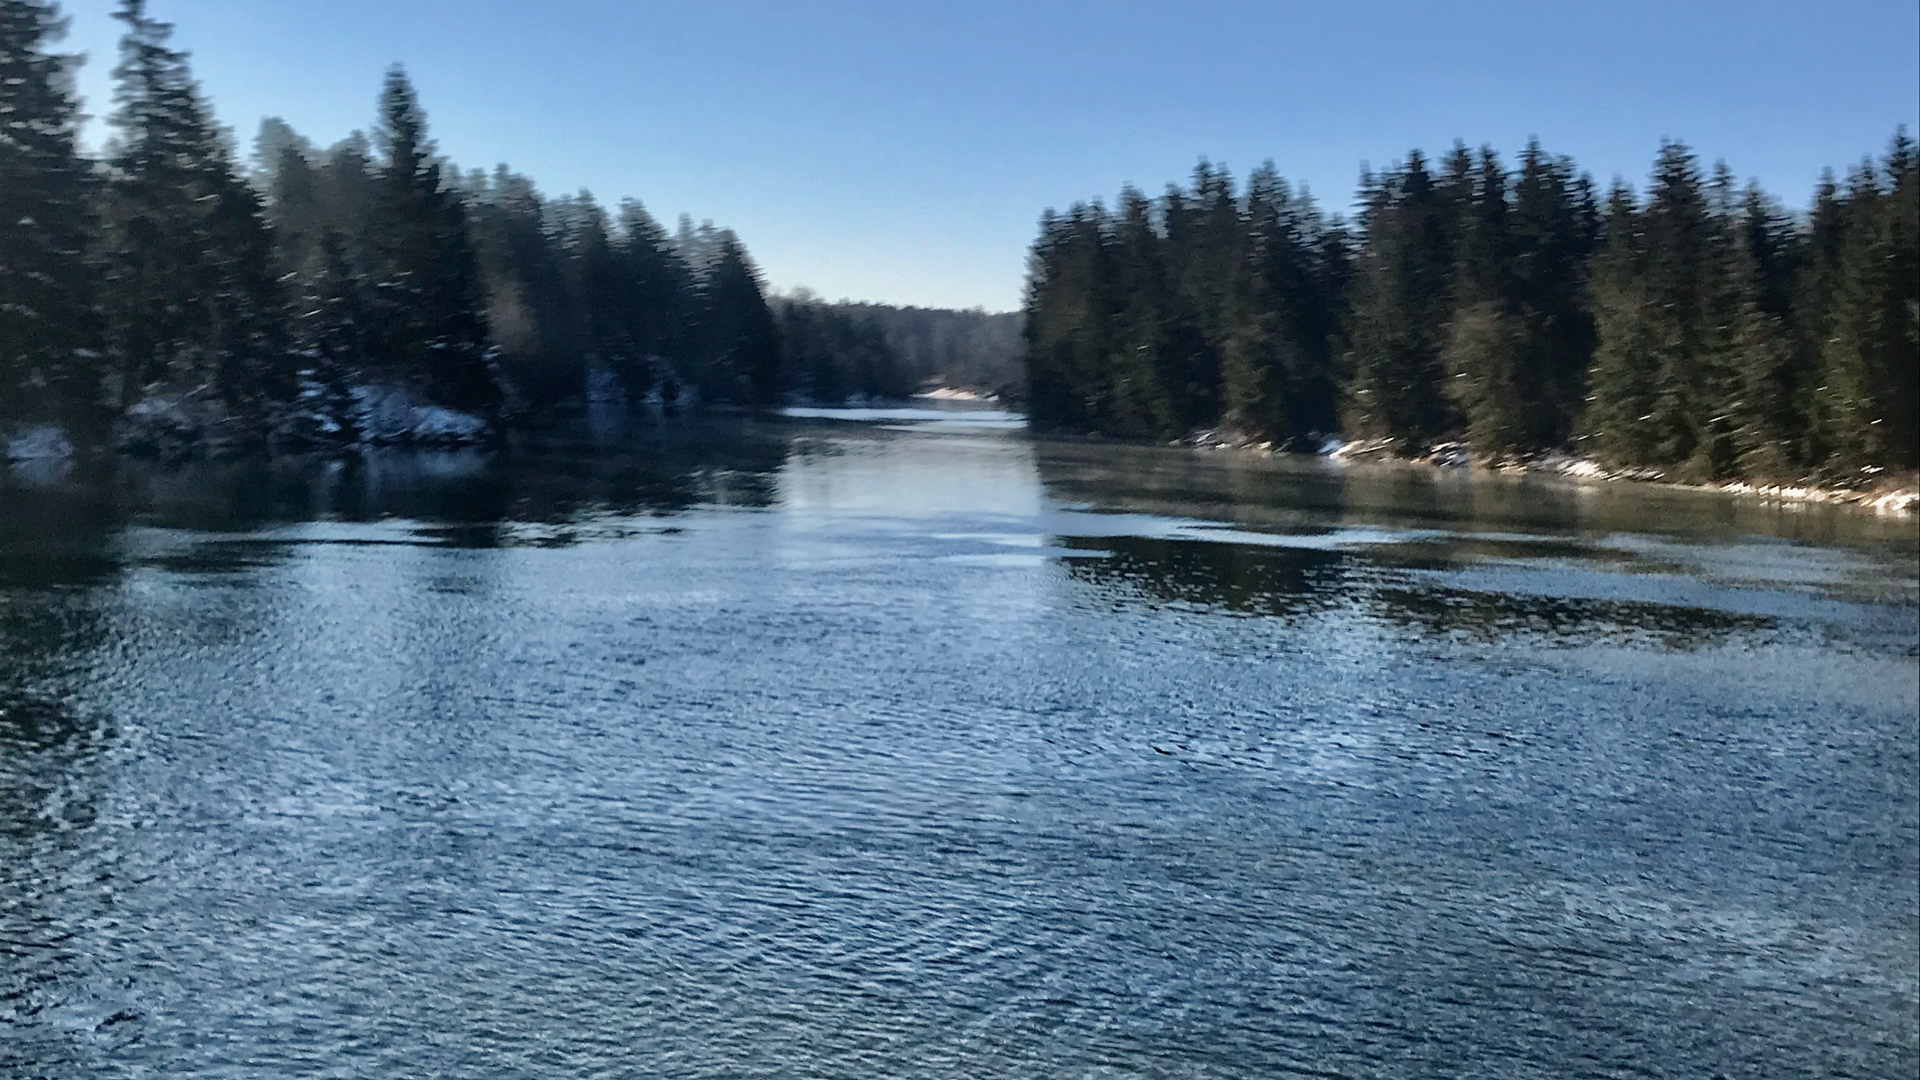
(901, 745)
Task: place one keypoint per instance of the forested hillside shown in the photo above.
(1697, 328)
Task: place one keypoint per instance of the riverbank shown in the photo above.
(1886, 493)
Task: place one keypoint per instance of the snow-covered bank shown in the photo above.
(186, 425)
(1897, 496)
(954, 393)
(391, 417)
(41, 442)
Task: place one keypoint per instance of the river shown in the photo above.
(901, 744)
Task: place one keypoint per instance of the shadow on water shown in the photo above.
(60, 530)
(1238, 578)
(1300, 493)
(1298, 583)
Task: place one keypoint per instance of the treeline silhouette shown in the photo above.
(975, 349)
(838, 351)
(167, 296)
(1699, 330)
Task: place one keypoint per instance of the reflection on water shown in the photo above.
(1312, 493)
(899, 745)
(1296, 581)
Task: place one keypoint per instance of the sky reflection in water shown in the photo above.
(900, 745)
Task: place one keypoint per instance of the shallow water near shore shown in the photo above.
(900, 744)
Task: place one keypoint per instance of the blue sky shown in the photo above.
(903, 151)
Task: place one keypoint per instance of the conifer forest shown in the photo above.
(166, 295)
(170, 297)
(1698, 329)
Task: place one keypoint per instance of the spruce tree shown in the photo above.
(741, 341)
(1143, 359)
(1400, 312)
(1752, 428)
(1656, 387)
(661, 295)
(1813, 311)
(1278, 365)
(1069, 307)
(1679, 248)
(1208, 262)
(46, 284)
(428, 306)
(1488, 381)
(1867, 396)
(1555, 225)
(1617, 423)
(1258, 349)
(192, 308)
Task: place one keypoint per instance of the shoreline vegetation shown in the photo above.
(165, 298)
(1892, 495)
(1698, 334)
(1888, 494)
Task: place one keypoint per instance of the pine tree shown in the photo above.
(1554, 231)
(660, 295)
(1278, 364)
(1488, 380)
(192, 308)
(741, 341)
(46, 284)
(1753, 428)
(1400, 312)
(330, 334)
(1258, 349)
(1143, 358)
(533, 318)
(1624, 384)
(1069, 307)
(1679, 242)
(1867, 396)
(1814, 289)
(429, 323)
(1657, 397)
(1208, 263)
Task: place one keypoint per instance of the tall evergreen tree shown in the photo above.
(191, 306)
(1402, 300)
(742, 361)
(429, 323)
(1617, 421)
(1208, 260)
(1653, 294)
(1488, 379)
(1277, 366)
(660, 297)
(1555, 225)
(46, 284)
(1146, 342)
(1746, 420)
(1867, 397)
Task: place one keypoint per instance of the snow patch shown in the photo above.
(42, 442)
(1357, 449)
(955, 393)
(387, 416)
(171, 426)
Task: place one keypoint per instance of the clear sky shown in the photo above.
(903, 150)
